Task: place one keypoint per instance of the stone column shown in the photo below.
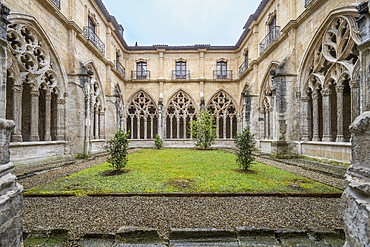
(60, 122)
(356, 197)
(315, 104)
(355, 100)
(306, 123)
(17, 113)
(102, 124)
(326, 92)
(34, 115)
(47, 136)
(96, 123)
(160, 119)
(340, 136)
(11, 199)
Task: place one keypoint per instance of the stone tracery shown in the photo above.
(224, 110)
(328, 91)
(180, 112)
(33, 98)
(142, 116)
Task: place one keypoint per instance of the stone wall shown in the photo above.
(11, 199)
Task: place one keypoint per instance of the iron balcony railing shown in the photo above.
(243, 67)
(307, 2)
(266, 42)
(91, 35)
(57, 3)
(222, 74)
(180, 74)
(140, 75)
(120, 68)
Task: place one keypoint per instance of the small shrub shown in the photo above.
(118, 150)
(245, 144)
(203, 130)
(158, 142)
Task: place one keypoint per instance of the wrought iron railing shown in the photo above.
(140, 75)
(271, 36)
(180, 74)
(223, 75)
(307, 2)
(120, 68)
(243, 67)
(91, 35)
(57, 3)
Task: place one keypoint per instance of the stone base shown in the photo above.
(11, 204)
(282, 150)
(356, 218)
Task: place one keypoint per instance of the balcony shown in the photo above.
(120, 68)
(307, 2)
(180, 74)
(267, 41)
(140, 75)
(56, 3)
(223, 75)
(91, 35)
(243, 67)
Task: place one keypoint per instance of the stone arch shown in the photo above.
(37, 97)
(179, 112)
(330, 62)
(95, 91)
(142, 116)
(225, 110)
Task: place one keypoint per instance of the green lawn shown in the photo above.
(182, 170)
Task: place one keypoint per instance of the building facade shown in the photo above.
(293, 78)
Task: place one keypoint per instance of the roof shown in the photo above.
(118, 30)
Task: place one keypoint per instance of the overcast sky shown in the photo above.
(182, 22)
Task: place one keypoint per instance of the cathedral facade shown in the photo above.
(293, 78)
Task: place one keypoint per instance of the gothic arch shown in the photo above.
(179, 112)
(142, 116)
(225, 110)
(327, 77)
(36, 99)
(98, 101)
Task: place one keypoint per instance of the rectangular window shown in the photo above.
(221, 70)
(91, 25)
(141, 70)
(272, 24)
(180, 70)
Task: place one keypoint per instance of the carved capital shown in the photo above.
(326, 92)
(305, 98)
(48, 97)
(339, 88)
(355, 84)
(315, 95)
(61, 101)
(361, 123)
(35, 93)
(17, 88)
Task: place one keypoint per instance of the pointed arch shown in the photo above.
(142, 116)
(327, 73)
(179, 112)
(224, 109)
(37, 96)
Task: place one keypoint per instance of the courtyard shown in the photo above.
(98, 217)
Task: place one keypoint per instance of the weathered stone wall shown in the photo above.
(356, 198)
(11, 199)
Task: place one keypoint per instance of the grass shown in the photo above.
(182, 170)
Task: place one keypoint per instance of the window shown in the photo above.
(91, 24)
(272, 24)
(141, 70)
(180, 70)
(221, 70)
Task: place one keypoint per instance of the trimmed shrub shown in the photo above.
(158, 142)
(245, 144)
(203, 130)
(118, 150)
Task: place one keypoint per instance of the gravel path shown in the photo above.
(106, 214)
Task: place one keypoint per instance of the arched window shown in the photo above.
(223, 109)
(180, 112)
(142, 117)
